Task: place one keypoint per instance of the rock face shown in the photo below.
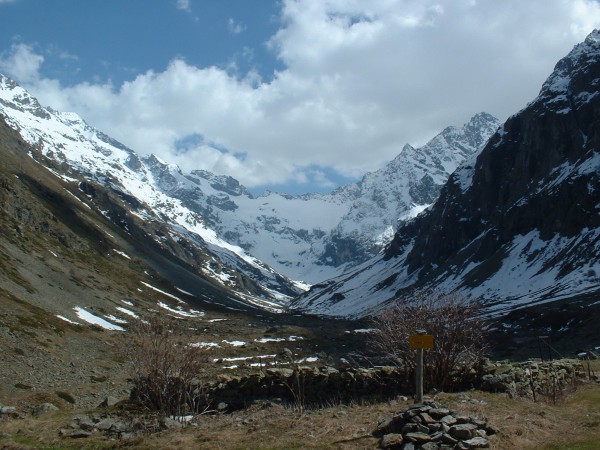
(515, 224)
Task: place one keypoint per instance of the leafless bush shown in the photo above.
(459, 335)
(164, 368)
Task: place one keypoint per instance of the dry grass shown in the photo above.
(522, 424)
(573, 423)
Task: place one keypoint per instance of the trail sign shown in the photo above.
(420, 341)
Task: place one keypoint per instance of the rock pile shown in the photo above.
(430, 426)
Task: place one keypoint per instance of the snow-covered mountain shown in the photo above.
(310, 237)
(317, 236)
(401, 190)
(517, 224)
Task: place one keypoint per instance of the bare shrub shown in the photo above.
(459, 332)
(164, 368)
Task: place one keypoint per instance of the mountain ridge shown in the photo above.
(308, 238)
(516, 225)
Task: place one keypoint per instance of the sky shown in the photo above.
(286, 95)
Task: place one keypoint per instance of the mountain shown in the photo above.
(400, 190)
(517, 224)
(317, 236)
(213, 224)
(113, 181)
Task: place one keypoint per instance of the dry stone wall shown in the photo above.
(320, 386)
(531, 379)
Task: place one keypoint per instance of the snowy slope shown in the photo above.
(517, 224)
(404, 188)
(85, 152)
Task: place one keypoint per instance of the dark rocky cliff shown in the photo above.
(538, 172)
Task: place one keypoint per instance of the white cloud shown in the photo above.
(21, 63)
(361, 79)
(234, 26)
(184, 5)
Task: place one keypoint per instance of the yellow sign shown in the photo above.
(420, 341)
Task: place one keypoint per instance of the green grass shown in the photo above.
(586, 407)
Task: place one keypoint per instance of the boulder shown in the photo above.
(392, 441)
(108, 402)
(44, 408)
(463, 431)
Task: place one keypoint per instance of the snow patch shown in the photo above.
(95, 320)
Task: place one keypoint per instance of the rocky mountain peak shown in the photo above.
(570, 84)
(17, 98)
(223, 183)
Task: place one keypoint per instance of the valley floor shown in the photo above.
(76, 367)
(573, 423)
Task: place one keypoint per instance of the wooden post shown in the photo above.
(419, 376)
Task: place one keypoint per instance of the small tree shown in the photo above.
(459, 335)
(164, 368)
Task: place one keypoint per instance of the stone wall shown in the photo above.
(305, 386)
(320, 386)
(531, 379)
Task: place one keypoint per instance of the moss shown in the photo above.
(9, 270)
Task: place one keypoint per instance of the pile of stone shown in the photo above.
(430, 426)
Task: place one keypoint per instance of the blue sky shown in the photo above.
(289, 95)
(118, 39)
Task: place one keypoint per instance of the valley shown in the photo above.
(96, 240)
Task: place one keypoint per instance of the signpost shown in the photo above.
(419, 342)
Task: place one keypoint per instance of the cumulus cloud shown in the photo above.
(360, 80)
(21, 63)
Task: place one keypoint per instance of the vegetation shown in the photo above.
(458, 330)
(164, 368)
